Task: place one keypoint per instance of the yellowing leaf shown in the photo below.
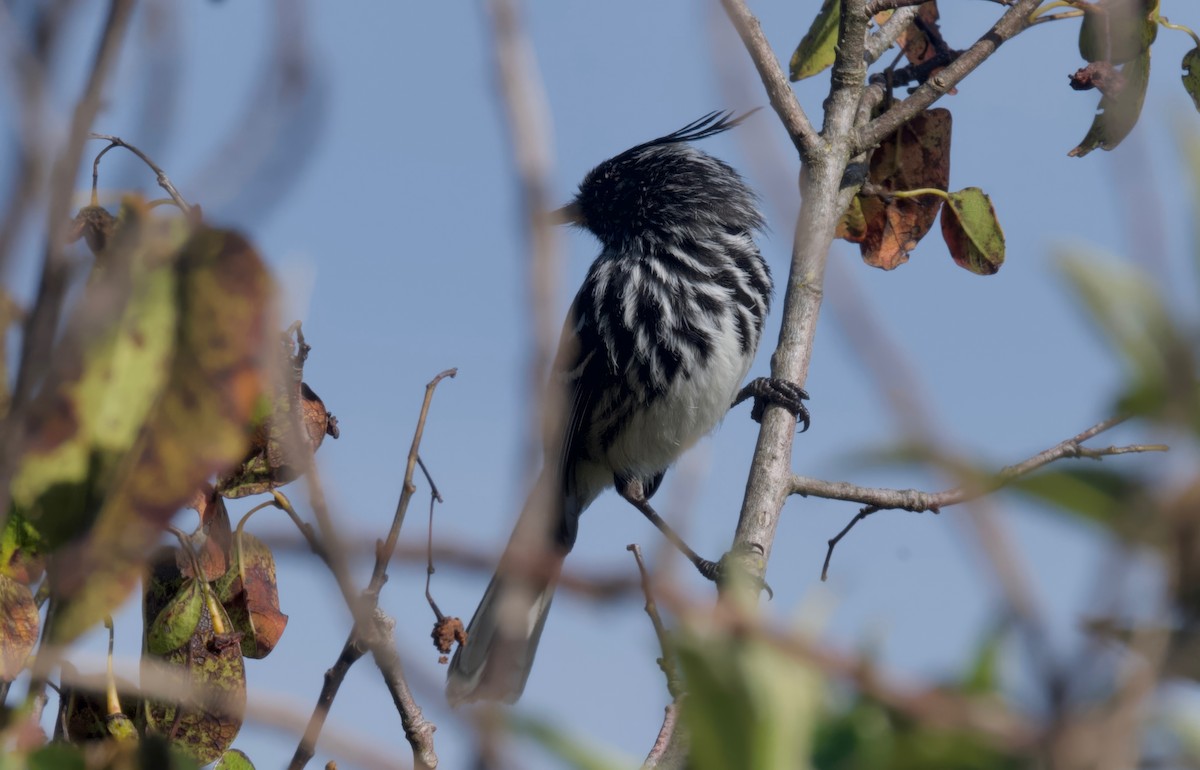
(18, 627)
(853, 225)
(818, 47)
(916, 156)
(250, 595)
(972, 232)
(199, 425)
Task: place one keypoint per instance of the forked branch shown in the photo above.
(876, 500)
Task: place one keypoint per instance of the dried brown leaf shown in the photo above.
(916, 156)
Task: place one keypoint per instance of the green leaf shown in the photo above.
(234, 760)
(57, 756)
(205, 723)
(749, 705)
(570, 750)
(176, 623)
(982, 675)
(972, 232)
(1118, 112)
(21, 549)
(1097, 494)
(818, 47)
(1159, 360)
(1191, 75)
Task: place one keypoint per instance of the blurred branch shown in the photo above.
(373, 629)
(917, 501)
(42, 322)
(779, 90)
(665, 742)
(935, 707)
(163, 180)
(163, 682)
(28, 65)
(667, 662)
(524, 101)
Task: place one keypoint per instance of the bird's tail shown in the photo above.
(503, 635)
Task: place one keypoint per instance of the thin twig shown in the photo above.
(379, 573)
(372, 628)
(163, 180)
(1014, 20)
(666, 740)
(434, 497)
(887, 35)
(668, 664)
(779, 90)
(917, 501)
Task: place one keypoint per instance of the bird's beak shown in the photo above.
(569, 214)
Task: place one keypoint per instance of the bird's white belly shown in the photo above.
(677, 419)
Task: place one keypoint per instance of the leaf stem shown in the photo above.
(1164, 21)
(919, 192)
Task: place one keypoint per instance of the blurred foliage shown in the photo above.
(171, 389)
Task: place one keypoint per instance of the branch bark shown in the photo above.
(917, 501)
(779, 90)
(823, 201)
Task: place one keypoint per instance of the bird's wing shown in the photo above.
(584, 372)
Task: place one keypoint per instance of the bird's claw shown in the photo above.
(771, 390)
(715, 572)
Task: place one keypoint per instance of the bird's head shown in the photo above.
(665, 191)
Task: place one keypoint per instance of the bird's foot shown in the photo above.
(771, 390)
(715, 571)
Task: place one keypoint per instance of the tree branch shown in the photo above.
(1014, 20)
(822, 201)
(372, 627)
(779, 90)
(917, 501)
(667, 746)
(163, 180)
(887, 35)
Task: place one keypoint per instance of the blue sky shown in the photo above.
(398, 237)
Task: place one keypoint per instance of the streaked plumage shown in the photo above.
(655, 347)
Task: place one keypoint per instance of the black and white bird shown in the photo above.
(653, 353)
